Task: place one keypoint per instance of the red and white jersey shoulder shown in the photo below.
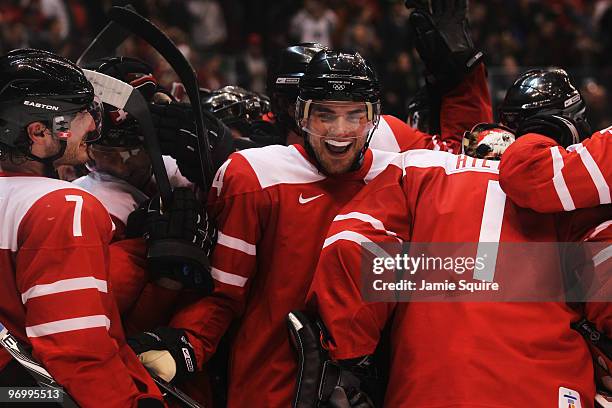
(118, 196)
(539, 174)
(54, 241)
(426, 197)
(272, 207)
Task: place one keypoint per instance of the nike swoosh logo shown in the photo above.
(303, 200)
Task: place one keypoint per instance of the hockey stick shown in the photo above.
(143, 28)
(176, 393)
(105, 43)
(121, 95)
(36, 370)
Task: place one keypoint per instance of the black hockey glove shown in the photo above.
(175, 126)
(442, 39)
(561, 129)
(179, 239)
(149, 403)
(165, 352)
(322, 382)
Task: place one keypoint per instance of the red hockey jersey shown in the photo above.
(273, 208)
(55, 290)
(453, 354)
(537, 173)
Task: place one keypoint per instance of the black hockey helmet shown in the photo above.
(234, 105)
(120, 128)
(39, 86)
(544, 91)
(335, 78)
(285, 69)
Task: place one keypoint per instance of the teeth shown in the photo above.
(338, 143)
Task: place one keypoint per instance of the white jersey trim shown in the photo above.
(359, 240)
(376, 223)
(277, 164)
(383, 137)
(422, 158)
(598, 229)
(559, 182)
(228, 278)
(598, 179)
(602, 256)
(66, 325)
(236, 243)
(17, 195)
(64, 285)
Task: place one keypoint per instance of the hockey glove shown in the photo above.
(442, 39)
(321, 382)
(179, 239)
(176, 131)
(561, 129)
(165, 352)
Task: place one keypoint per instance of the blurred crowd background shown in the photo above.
(228, 41)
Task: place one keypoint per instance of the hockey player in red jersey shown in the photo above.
(273, 206)
(54, 239)
(452, 354)
(553, 166)
(287, 67)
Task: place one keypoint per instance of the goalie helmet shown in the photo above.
(285, 70)
(39, 86)
(487, 141)
(544, 91)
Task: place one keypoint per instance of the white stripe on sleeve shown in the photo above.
(358, 239)
(598, 179)
(559, 181)
(374, 222)
(66, 325)
(64, 285)
(228, 278)
(236, 243)
(602, 256)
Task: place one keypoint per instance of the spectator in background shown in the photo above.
(251, 66)
(208, 29)
(315, 22)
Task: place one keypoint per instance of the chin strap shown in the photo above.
(48, 161)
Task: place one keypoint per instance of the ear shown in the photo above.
(36, 132)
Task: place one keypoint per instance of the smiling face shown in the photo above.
(337, 132)
(76, 149)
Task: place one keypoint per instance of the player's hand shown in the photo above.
(442, 38)
(165, 352)
(179, 237)
(561, 129)
(176, 131)
(352, 398)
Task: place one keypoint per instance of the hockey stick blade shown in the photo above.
(140, 26)
(176, 393)
(37, 371)
(121, 95)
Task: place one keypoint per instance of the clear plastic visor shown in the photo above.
(62, 123)
(346, 119)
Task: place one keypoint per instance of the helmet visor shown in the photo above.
(344, 119)
(62, 123)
